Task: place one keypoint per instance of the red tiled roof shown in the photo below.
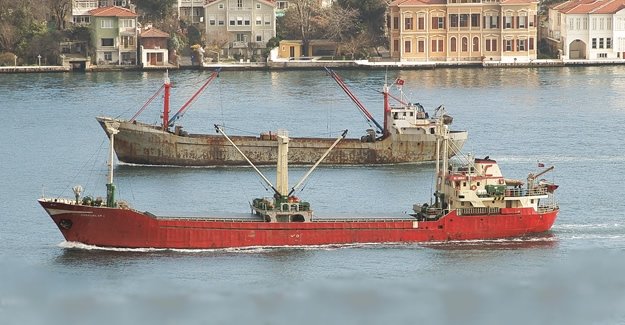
(112, 12)
(405, 3)
(590, 6)
(269, 2)
(517, 2)
(153, 32)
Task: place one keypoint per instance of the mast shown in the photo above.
(167, 86)
(354, 99)
(387, 109)
(282, 168)
(111, 129)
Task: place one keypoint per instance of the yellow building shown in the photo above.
(463, 30)
(316, 48)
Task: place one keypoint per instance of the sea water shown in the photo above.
(572, 118)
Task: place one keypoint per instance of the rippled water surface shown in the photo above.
(570, 117)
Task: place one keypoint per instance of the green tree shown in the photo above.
(372, 15)
(155, 10)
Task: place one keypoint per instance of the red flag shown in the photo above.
(399, 82)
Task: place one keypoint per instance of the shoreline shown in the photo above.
(318, 64)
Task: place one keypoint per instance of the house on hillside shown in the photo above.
(81, 8)
(114, 36)
(192, 11)
(240, 28)
(154, 51)
(582, 30)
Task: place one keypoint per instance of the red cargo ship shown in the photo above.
(472, 201)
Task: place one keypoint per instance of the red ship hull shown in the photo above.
(114, 227)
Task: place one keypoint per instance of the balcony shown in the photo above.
(239, 45)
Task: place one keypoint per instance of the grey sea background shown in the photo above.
(572, 118)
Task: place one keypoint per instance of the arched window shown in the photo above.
(476, 44)
(452, 44)
(465, 44)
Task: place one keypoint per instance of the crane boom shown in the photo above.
(354, 99)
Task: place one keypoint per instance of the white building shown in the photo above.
(583, 29)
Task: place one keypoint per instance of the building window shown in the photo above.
(396, 45)
(220, 6)
(240, 21)
(106, 23)
(508, 44)
(507, 22)
(421, 46)
(476, 44)
(127, 23)
(520, 44)
(494, 21)
(452, 44)
(453, 20)
(259, 38)
(395, 22)
(259, 21)
(246, 21)
(608, 43)
(594, 43)
(221, 22)
(465, 44)
(601, 42)
(531, 43)
(232, 21)
(407, 46)
(81, 19)
(438, 22)
(239, 4)
(475, 20)
(108, 56)
(128, 41)
(408, 23)
(421, 23)
(464, 20)
(268, 20)
(258, 6)
(212, 20)
(107, 42)
(522, 22)
(241, 37)
(437, 45)
(602, 55)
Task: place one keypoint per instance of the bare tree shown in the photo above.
(8, 36)
(216, 41)
(338, 23)
(356, 44)
(59, 10)
(301, 17)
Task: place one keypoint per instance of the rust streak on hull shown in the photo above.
(139, 143)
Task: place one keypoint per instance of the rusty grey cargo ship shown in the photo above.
(407, 135)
